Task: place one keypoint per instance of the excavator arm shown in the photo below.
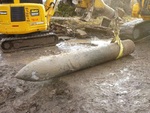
(50, 6)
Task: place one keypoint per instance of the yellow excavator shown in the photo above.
(24, 24)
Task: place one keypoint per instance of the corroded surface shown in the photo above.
(63, 64)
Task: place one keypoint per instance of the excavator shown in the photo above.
(25, 24)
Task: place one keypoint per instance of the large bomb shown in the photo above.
(63, 64)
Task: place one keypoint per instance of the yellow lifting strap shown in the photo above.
(116, 38)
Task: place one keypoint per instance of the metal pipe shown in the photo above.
(63, 64)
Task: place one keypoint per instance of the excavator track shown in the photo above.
(141, 30)
(22, 42)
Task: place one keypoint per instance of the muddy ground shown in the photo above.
(120, 86)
